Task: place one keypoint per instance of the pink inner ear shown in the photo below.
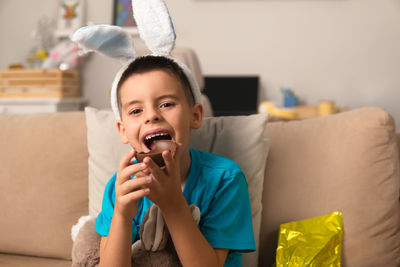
(162, 145)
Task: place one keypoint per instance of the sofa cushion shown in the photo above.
(346, 162)
(18, 261)
(239, 138)
(43, 177)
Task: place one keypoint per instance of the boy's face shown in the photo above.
(154, 106)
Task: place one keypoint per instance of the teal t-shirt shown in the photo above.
(218, 187)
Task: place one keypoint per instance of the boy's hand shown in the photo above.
(166, 185)
(128, 191)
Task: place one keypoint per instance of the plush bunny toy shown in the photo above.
(154, 248)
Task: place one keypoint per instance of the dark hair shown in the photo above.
(149, 63)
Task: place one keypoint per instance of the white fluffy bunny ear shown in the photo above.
(108, 40)
(155, 25)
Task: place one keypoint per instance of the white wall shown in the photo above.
(347, 51)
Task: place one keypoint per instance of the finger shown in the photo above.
(134, 185)
(153, 167)
(169, 161)
(127, 173)
(144, 171)
(134, 196)
(126, 160)
(176, 157)
(140, 174)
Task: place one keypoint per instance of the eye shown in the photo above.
(167, 105)
(135, 111)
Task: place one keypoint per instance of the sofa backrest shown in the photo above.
(347, 162)
(43, 182)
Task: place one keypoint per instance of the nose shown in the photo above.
(151, 116)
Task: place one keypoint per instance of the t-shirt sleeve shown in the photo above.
(228, 223)
(103, 221)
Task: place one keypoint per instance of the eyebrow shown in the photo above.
(167, 96)
(132, 102)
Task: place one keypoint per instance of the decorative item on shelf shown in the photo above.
(123, 16)
(274, 112)
(16, 66)
(289, 98)
(65, 55)
(326, 108)
(43, 41)
(298, 112)
(48, 53)
(42, 83)
(71, 16)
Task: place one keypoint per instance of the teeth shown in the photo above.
(154, 135)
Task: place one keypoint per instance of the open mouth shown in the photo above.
(151, 138)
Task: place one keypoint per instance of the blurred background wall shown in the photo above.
(347, 51)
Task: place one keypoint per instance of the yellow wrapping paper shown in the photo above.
(311, 242)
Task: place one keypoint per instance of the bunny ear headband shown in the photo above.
(155, 28)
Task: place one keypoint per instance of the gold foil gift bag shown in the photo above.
(311, 242)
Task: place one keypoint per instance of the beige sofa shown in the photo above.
(347, 162)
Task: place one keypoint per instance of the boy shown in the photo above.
(155, 97)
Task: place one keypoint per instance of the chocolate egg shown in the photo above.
(156, 153)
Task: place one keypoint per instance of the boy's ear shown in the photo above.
(197, 116)
(121, 130)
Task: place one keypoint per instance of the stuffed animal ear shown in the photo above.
(153, 232)
(155, 25)
(111, 41)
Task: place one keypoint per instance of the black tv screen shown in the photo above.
(232, 95)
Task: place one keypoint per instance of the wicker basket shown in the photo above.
(35, 83)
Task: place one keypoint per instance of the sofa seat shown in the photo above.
(10, 260)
